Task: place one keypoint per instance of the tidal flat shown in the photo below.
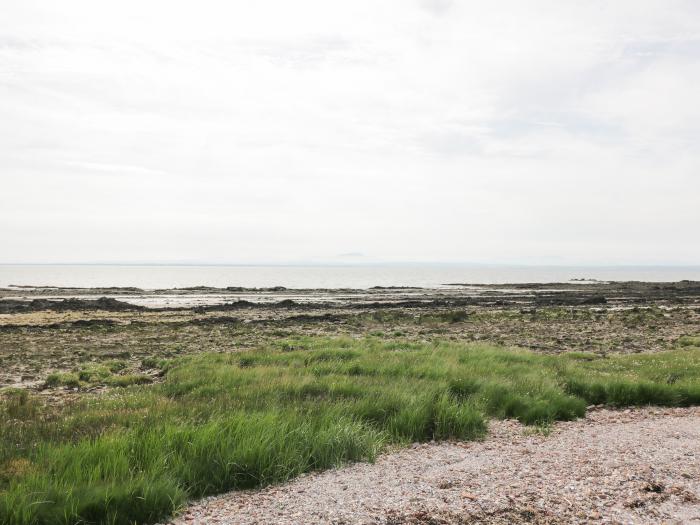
(121, 405)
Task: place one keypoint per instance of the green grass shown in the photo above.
(688, 340)
(95, 374)
(232, 421)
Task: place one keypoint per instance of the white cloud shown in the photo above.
(283, 131)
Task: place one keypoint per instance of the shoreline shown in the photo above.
(67, 357)
(38, 332)
(580, 293)
(613, 466)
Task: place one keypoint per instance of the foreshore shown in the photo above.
(39, 326)
(481, 403)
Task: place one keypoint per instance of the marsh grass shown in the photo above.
(230, 421)
(96, 374)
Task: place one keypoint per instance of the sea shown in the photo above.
(151, 277)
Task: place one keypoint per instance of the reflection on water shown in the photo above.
(428, 276)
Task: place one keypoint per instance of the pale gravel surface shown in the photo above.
(631, 466)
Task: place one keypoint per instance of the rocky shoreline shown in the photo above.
(632, 466)
(46, 330)
(583, 293)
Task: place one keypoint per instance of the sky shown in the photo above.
(539, 132)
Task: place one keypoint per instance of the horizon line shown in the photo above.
(361, 264)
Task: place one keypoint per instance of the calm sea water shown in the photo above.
(149, 277)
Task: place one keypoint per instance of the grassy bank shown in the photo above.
(229, 421)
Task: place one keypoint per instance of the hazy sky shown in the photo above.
(504, 131)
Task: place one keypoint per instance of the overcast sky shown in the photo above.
(412, 130)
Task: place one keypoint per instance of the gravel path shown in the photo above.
(632, 466)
